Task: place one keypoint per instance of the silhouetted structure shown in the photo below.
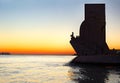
(92, 32)
(4, 53)
(90, 45)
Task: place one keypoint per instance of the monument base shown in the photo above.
(98, 59)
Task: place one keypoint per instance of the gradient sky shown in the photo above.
(44, 26)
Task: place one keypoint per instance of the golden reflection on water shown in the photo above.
(52, 69)
(34, 69)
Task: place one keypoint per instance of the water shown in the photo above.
(52, 69)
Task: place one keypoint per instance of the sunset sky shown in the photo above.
(45, 26)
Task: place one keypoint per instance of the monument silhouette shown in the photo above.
(92, 32)
(91, 45)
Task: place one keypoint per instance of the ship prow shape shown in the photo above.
(90, 45)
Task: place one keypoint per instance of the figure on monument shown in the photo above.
(72, 36)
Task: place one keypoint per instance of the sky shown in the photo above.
(45, 26)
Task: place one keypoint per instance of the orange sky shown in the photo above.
(44, 27)
(39, 51)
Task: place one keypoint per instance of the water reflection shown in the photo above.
(94, 74)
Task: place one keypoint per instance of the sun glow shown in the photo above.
(40, 27)
(35, 44)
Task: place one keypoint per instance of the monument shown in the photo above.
(92, 32)
(90, 45)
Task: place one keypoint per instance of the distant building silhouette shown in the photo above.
(4, 53)
(92, 34)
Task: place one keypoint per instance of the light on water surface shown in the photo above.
(34, 69)
(52, 69)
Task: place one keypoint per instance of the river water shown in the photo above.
(53, 69)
